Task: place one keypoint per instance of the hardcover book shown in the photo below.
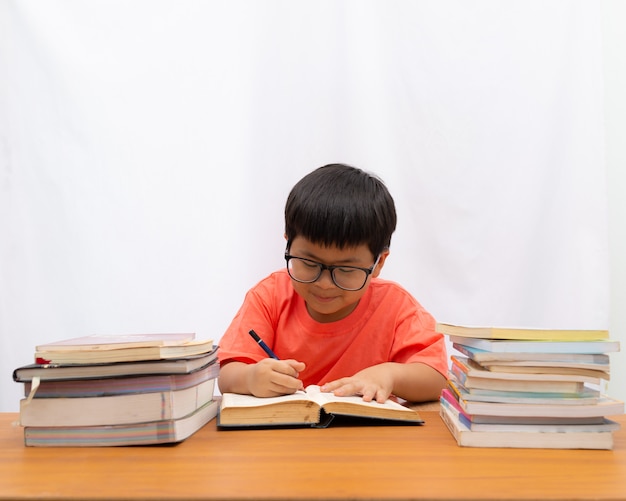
(103, 387)
(307, 408)
(58, 372)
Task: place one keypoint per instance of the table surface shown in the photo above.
(395, 462)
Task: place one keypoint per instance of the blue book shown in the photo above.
(483, 356)
(585, 396)
(511, 346)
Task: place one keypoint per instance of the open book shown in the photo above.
(310, 407)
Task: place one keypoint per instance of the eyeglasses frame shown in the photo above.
(330, 268)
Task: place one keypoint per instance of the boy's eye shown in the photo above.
(346, 271)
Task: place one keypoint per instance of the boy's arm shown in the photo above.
(266, 378)
(415, 382)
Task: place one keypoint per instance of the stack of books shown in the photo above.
(118, 390)
(529, 388)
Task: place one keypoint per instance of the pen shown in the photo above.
(262, 344)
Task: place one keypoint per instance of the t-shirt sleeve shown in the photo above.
(417, 341)
(255, 313)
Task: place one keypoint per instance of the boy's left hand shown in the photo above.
(373, 383)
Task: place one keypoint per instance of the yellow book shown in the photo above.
(522, 334)
(310, 407)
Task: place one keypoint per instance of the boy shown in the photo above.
(328, 317)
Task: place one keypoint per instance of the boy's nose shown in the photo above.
(326, 280)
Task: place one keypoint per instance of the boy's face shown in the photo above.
(325, 301)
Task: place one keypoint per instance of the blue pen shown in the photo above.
(262, 344)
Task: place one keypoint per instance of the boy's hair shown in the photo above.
(342, 206)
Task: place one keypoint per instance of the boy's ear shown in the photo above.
(381, 262)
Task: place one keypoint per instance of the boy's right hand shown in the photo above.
(271, 378)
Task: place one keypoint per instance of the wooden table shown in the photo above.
(334, 463)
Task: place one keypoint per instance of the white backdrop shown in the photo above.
(147, 148)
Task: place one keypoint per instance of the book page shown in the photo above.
(322, 398)
(238, 400)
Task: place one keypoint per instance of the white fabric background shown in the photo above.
(147, 148)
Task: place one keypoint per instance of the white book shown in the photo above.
(117, 409)
(154, 432)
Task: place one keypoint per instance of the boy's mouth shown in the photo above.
(324, 299)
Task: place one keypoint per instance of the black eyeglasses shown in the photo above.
(348, 278)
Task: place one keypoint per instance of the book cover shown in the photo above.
(150, 433)
(522, 333)
(61, 371)
(116, 409)
(306, 408)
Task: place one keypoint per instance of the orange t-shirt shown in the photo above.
(388, 325)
